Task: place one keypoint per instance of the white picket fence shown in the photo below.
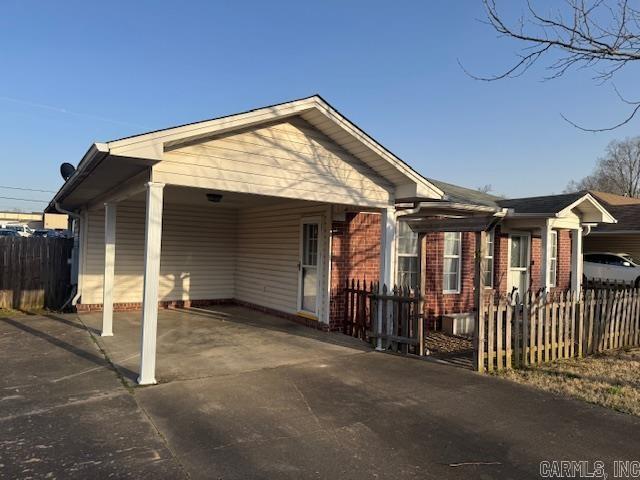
(548, 326)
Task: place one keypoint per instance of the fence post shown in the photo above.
(421, 320)
(478, 335)
(517, 317)
(581, 319)
(636, 337)
(422, 238)
(382, 313)
(509, 308)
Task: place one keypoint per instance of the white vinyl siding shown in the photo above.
(268, 253)
(452, 264)
(211, 252)
(289, 159)
(197, 259)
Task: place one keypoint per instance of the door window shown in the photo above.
(519, 252)
(309, 267)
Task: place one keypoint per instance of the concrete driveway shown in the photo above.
(243, 395)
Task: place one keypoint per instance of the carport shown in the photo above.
(235, 210)
(197, 342)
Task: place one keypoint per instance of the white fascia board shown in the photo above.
(94, 155)
(152, 145)
(606, 217)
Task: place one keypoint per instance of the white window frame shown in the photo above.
(490, 255)
(320, 267)
(415, 254)
(459, 257)
(553, 260)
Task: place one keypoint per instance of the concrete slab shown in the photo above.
(371, 415)
(63, 411)
(214, 341)
(244, 395)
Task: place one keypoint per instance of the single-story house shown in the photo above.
(276, 208)
(239, 209)
(622, 236)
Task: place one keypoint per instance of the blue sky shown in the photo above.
(76, 72)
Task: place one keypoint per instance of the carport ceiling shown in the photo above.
(198, 196)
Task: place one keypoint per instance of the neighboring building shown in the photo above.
(533, 243)
(36, 220)
(620, 237)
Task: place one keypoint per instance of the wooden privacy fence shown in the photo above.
(390, 317)
(546, 327)
(34, 272)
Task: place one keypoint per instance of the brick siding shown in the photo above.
(355, 254)
(438, 303)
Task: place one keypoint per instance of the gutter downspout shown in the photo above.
(587, 229)
(75, 257)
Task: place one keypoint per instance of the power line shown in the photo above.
(27, 189)
(25, 199)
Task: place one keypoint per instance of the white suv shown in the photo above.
(611, 266)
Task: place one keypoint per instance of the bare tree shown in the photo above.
(600, 34)
(488, 188)
(617, 172)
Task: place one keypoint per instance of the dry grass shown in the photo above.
(611, 379)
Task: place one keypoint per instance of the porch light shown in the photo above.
(214, 197)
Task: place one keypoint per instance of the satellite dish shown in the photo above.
(66, 170)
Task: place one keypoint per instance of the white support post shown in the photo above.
(152, 241)
(576, 260)
(387, 253)
(545, 257)
(109, 268)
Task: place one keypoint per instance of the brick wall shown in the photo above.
(355, 254)
(436, 302)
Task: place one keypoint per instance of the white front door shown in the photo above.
(519, 251)
(309, 279)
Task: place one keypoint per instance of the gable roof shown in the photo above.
(458, 194)
(148, 148)
(539, 206)
(611, 199)
(546, 204)
(625, 209)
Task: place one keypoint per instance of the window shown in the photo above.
(407, 256)
(553, 261)
(519, 252)
(487, 281)
(452, 264)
